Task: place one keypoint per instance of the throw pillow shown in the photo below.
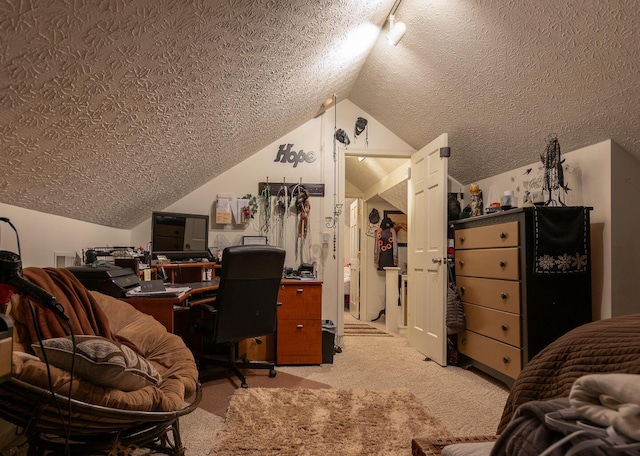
(101, 361)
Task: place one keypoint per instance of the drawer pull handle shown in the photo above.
(504, 327)
(461, 290)
(506, 360)
(503, 295)
(502, 264)
(503, 235)
(300, 290)
(460, 263)
(463, 341)
(300, 326)
(461, 239)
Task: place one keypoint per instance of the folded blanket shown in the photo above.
(527, 434)
(609, 400)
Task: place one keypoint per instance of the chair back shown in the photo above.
(248, 292)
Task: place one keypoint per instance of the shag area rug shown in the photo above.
(305, 422)
(362, 329)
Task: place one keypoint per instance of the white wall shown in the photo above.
(316, 135)
(625, 244)
(43, 235)
(607, 178)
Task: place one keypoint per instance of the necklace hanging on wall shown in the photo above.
(265, 202)
(302, 207)
(282, 213)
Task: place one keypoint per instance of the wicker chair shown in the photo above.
(92, 429)
(97, 418)
(434, 446)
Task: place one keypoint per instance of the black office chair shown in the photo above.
(245, 306)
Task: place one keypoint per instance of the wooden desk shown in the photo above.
(164, 309)
(299, 333)
(187, 272)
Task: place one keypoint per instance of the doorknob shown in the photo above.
(436, 260)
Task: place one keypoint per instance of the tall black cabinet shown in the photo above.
(524, 276)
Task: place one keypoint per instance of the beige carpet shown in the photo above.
(217, 392)
(324, 422)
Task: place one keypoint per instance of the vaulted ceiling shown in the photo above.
(102, 101)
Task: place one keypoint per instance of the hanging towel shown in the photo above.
(560, 240)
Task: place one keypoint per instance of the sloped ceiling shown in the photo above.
(112, 109)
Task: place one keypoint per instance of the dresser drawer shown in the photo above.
(497, 294)
(502, 326)
(501, 357)
(299, 342)
(300, 302)
(490, 263)
(501, 235)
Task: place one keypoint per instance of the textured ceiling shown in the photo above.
(141, 88)
(499, 76)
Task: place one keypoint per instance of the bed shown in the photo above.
(604, 346)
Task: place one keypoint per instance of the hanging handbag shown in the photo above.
(455, 310)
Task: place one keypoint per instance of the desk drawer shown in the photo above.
(497, 294)
(501, 357)
(299, 341)
(501, 235)
(502, 326)
(490, 263)
(300, 302)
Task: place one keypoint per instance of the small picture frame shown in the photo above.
(254, 240)
(399, 220)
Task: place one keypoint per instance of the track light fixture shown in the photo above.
(396, 30)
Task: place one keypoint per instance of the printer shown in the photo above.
(107, 279)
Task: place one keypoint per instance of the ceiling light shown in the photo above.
(361, 158)
(396, 30)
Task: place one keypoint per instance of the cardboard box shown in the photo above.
(258, 352)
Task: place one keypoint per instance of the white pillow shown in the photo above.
(101, 361)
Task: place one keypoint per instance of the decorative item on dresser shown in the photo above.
(299, 330)
(524, 276)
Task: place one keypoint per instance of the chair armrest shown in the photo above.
(202, 319)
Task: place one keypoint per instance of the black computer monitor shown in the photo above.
(180, 236)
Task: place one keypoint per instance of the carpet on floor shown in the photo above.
(218, 387)
(280, 421)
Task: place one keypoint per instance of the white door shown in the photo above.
(354, 258)
(426, 256)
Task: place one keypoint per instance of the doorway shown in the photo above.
(376, 182)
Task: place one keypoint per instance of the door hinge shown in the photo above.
(445, 152)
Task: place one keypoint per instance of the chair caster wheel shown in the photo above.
(272, 373)
(244, 385)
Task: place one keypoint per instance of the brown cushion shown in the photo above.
(101, 361)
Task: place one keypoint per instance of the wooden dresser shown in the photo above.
(513, 311)
(299, 331)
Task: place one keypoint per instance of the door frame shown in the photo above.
(392, 179)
